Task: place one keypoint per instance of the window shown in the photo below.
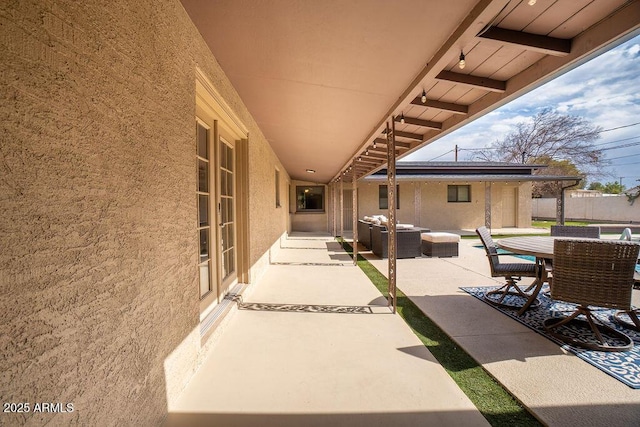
(277, 188)
(458, 193)
(310, 198)
(383, 199)
(203, 195)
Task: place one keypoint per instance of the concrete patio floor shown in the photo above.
(558, 387)
(289, 357)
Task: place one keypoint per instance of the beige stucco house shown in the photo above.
(154, 153)
(454, 195)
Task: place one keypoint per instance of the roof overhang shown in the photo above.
(323, 78)
(473, 178)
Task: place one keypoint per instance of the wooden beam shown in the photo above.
(420, 122)
(416, 136)
(439, 105)
(535, 42)
(366, 161)
(472, 81)
(399, 145)
(376, 155)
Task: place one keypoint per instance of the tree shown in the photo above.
(613, 188)
(608, 188)
(557, 168)
(598, 186)
(551, 135)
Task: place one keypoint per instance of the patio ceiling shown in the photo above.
(322, 78)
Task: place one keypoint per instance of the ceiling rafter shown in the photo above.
(535, 42)
(419, 122)
(439, 105)
(399, 144)
(483, 83)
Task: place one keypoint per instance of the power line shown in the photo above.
(623, 157)
(617, 140)
(437, 157)
(631, 144)
(627, 164)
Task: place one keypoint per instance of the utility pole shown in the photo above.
(621, 181)
(456, 152)
(524, 153)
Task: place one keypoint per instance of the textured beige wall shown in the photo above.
(609, 208)
(368, 201)
(436, 213)
(97, 178)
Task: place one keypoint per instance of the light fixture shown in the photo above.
(366, 152)
(532, 2)
(402, 118)
(359, 158)
(374, 145)
(424, 96)
(462, 62)
(311, 171)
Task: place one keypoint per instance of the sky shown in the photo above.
(604, 90)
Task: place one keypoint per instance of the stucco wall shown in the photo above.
(368, 203)
(607, 209)
(433, 211)
(98, 274)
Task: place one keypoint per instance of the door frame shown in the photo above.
(212, 110)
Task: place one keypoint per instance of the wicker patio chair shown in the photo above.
(575, 231)
(592, 273)
(512, 272)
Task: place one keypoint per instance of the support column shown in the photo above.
(391, 215)
(560, 205)
(334, 203)
(487, 205)
(417, 202)
(354, 210)
(342, 209)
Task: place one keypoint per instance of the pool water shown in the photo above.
(502, 252)
(530, 257)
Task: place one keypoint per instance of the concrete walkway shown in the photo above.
(558, 387)
(315, 345)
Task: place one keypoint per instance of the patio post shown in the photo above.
(487, 205)
(341, 209)
(560, 205)
(391, 224)
(335, 208)
(354, 210)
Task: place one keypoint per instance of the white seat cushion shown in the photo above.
(439, 237)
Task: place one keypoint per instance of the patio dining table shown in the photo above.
(540, 247)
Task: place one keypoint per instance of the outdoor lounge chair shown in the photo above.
(592, 273)
(512, 272)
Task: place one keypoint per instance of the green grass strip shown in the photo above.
(497, 405)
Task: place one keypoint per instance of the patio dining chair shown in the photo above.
(592, 273)
(575, 231)
(512, 272)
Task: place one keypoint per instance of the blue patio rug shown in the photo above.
(624, 366)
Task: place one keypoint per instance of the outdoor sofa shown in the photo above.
(408, 242)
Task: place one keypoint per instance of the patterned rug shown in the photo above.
(624, 366)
